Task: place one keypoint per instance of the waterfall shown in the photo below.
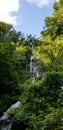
(6, 126)
(5, 121)
(31, 64)
(33, 68)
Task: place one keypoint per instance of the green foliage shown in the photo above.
(49, 54)
(9, 81)
(54, 120)
(54, 82)
(14, 55)
(42, 101)
(42, 104)
(22, 58)
(8, 33)
(54, 23)
(5, 28)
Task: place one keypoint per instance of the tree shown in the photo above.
(22, 57)
(14, 55)
(8, 33)
(42, 105)
(49, 54)
(9, 81)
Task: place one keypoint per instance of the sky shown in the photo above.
(26, 16)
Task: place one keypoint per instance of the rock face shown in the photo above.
(5, 121)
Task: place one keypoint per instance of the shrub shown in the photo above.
(42, 104)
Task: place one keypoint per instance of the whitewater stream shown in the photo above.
(5, 121)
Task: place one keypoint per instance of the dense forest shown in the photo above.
(41, 96)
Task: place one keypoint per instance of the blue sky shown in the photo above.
(26, 16)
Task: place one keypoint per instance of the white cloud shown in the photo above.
(39, 3)
(6, 8)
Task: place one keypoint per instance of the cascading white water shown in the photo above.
(33, 68)
(6, 127)
(5, 122)
(31, 64)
